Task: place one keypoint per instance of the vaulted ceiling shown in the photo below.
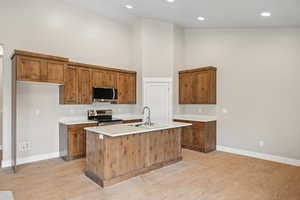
(217, 13)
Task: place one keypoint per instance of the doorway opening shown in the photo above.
(157, 95)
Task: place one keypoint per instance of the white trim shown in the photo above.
(161, 80)
(285, 160)
(30, 159)
(158, 79)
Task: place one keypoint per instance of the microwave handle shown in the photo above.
(114, 93)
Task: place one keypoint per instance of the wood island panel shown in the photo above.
(114, 159)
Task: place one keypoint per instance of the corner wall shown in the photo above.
(258, 86)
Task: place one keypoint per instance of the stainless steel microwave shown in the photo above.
(105, 94)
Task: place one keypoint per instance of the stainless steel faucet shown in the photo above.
(148, 120)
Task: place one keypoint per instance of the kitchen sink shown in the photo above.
(143, 125)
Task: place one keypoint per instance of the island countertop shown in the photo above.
(129, 129)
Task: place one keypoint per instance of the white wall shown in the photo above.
(179, 50)
(157, 48)
(55, 28)
(258, 84)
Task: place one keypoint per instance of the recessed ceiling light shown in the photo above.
(129, 6)
(265, 14)
(170, 1)
(201, 18)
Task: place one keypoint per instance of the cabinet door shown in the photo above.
(201, 86)
(29, 69)
(73, 146)
(127, 88)
(210, 136)
(70, 85)
(110, 79)
(199, 134)
(131, 89)
(55, 72)
(187, 136)
(84, 86)
(185, 88)
(97, 78)
(104, 79)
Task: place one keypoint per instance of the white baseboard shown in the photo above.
(289, 161)
(7, 163)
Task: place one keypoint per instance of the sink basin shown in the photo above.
(143, 125)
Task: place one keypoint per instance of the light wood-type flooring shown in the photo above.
(213, 176)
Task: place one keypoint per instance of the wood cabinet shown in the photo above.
(76, 79)
(201, 136)
(185, 88)
(55, 72)
(104, 79)
(111, 160)
(39, 67)
(72, 141)
(198, 86)
(127, 88)
(77, 86)
(70, 89)
(84, 86)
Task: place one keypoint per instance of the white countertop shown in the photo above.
(128, 116)
(199, 118)
(76, 122)
(83, 120)
(125, 129)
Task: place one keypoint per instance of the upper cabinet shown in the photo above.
(185, 88)
(104, 78)
(76, 79)
(84, 86)
(39, 67)
(198, 86)
(69, 91)
(127, 88)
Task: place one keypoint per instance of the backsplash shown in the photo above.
(190, 109)
(80, 111)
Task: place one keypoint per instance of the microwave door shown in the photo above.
(103, 94)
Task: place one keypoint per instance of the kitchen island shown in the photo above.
(118, 152)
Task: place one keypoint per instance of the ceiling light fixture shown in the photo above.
(265, 14)
(129, 6)
(170, 1)
(201, 18)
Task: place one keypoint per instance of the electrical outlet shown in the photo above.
(25, 146)
(37, 112)
(224, 111)
(261, 143)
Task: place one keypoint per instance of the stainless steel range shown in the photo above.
(103, 117)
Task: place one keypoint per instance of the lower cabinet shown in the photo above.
(201, 136)
(72, 141)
